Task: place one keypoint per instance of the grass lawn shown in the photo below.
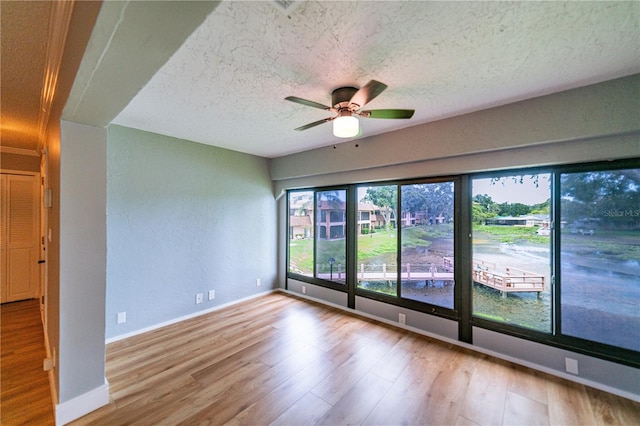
(370, 246)
(619, 245)
(509, 234)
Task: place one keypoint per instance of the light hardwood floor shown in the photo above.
(25, 398)
(282, 360)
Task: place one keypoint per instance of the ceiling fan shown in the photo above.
(347, 103)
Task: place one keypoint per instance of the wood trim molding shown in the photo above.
(19, 151)
(59, 22)
(19, 172)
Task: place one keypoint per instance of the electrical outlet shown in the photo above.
(571, 365)
(122, 317)
(198, 298)
(304, 289)
(258, 282)
(402, 318)
(212, 294)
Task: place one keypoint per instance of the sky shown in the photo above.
(506, 190)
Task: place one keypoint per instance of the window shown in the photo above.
(554, 254)
(511, 265)
(427, 243)
(301, 232)
(378, 246)
(600, 256)
(331, 227)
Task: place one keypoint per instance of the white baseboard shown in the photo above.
(184, 318)
(81, 405)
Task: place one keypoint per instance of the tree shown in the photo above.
(414, 199)
(484, 200)
(610, 197)
(541, 208)
(434, 199)
(483, 208)
(386, 199)
(515, 209)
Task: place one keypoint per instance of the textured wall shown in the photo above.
(183, 218)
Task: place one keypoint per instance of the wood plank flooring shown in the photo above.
(285, 361)
(25, 396)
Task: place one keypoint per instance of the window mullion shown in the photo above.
(352, 237)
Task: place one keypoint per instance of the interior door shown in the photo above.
(19, 243)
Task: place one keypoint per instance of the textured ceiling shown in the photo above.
(226, 85)
(25, 28)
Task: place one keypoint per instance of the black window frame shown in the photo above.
(314, 279)
(463, 310)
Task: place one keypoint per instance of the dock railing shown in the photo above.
(510, 281)
(484, 272)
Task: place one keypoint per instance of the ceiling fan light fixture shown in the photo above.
(347, 103)
(346, 126)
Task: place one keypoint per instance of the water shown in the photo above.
(600, 296)
(601, 301)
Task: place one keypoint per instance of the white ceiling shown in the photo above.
(226, 85)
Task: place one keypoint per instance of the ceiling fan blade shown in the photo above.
(367, 93)
(314, 124)
(307, 102)
(388, 113)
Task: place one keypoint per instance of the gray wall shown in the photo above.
(183, 218)
(599, 122)
(83, 187)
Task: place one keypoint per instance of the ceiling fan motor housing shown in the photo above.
(342, 94)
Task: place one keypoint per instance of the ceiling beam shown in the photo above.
(130, 42)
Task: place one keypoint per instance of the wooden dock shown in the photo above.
(511, 280)
(389, 273)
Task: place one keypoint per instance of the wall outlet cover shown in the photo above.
(571, 365)
(122, 317)
(212, 294)
(198, 298)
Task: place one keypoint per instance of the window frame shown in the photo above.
(555, 338)
(343, 287)
(504, 327)
(463, 310)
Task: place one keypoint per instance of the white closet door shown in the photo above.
(20, 249)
